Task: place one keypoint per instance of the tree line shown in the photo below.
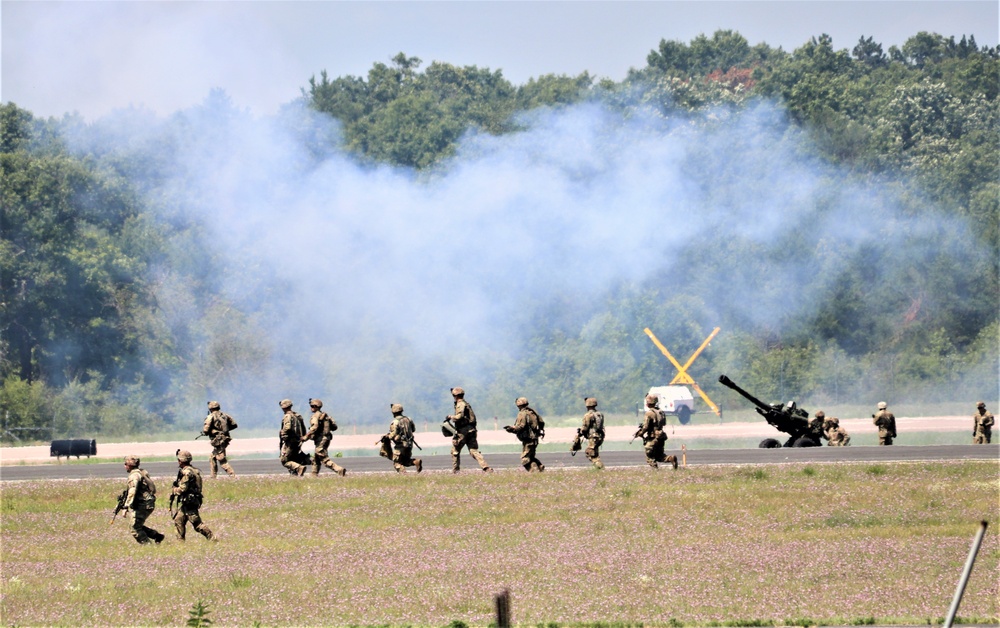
(91, 240)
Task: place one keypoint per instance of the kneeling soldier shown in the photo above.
(187, 490)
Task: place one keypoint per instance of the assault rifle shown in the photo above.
(121, 505)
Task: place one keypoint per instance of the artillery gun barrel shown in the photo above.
(762, 407)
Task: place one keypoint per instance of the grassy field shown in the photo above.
(840, 544)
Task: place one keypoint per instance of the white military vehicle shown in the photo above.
(675, 400)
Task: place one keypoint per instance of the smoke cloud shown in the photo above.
(366, 284)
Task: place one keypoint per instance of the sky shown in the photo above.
(92, 58)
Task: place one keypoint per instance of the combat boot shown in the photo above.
(672, 460)
(229, 470)
(488, 469)
(301, 470)
(341, 471)
(419, 464)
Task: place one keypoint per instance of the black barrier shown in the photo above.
(73, 447)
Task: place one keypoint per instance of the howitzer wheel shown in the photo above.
(805, 441)
(769, 443)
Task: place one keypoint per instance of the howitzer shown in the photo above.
(121, 505)
(786, 418)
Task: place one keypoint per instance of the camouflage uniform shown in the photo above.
(886, 423)
(293, 428)
(528, 428)
(187, 488)
(217, 426)
(817, 427)
(140, 500)
(982, 425)
(401, 435)
(464, 421)
(321, 429)
(653, 437)
(593, 430)
(836, 436)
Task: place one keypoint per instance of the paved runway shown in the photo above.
(552, 460)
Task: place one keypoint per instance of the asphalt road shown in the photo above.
(552, 460)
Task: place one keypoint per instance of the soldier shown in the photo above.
(217, 426)
(529, 428)
(140, 500)
(593, 430)
(835, 435)
(321, 429)
(463, 424)
(400, 434)
(653, 436)
(187, 489)
(293, 428)
(817, 427)
(982, 425)
(886, 423)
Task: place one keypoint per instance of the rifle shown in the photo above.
(636, 435)
(416, 445)
(173, 497)
(121, 505)
(199, 436)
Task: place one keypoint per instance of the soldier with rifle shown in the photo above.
(654, 438)
(529, 429)
(321, 429)
(138, 500)
(188, 497)
(461, 426)
(593, 430)
(885, 421)
(400, 435)
(982, 425)
(217, 426)
(293, 428)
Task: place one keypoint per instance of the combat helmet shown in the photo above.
(457, 392)
(316, 403)
(285, 404)
(520, 402)
(652, 400)
(881, 405)
(214, 405)
(396, 408)
(183, 455)
(981, 404)
(590, 402)
(132, 461)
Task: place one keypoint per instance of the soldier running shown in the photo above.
(187, 489)
(653, 437)
(464, 431)
(398, 443)
(292, 430)
(140, 501)
(217, 426)
(321, 429)
(529, 428)
(592, 430)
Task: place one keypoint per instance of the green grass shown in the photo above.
(812, 544)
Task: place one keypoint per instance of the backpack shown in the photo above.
(596, 424)
(404, 429)
(536, 424)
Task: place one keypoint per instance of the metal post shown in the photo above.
(502, 603)
(965, 574)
